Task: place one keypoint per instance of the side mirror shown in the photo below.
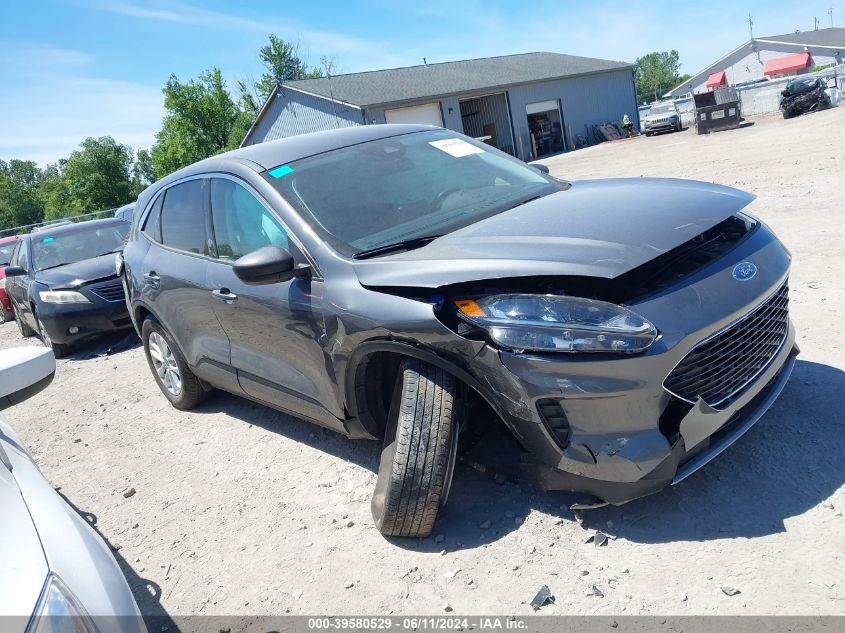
(15, 271)
(267, 265)
(24, 371)
(540, 167)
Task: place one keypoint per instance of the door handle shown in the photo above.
(224, 295)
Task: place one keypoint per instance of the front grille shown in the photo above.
(109, 290)
(722, 366)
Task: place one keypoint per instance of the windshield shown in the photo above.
(665, 108)
(50, 251)
(6, 253)
(401, 188)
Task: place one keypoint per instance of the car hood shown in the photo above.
(24, 565)
(596, 228)
(78, 273)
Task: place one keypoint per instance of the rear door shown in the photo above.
(274, 330)
(18, 288)
(176, 279)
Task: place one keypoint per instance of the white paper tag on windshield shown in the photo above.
(456, 147)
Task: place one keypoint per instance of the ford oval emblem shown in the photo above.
(744, 271)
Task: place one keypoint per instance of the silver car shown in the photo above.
(662, 117)
(57, 573)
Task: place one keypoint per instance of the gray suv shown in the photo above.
(662, 117)
(407, 283)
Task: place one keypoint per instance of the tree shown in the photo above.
(202, 120)
(97, 175)
(143, 174)
(282, 62)
(20, 203)
(656, 74)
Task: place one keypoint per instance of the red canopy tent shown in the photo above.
(787, 64)
(717, 79)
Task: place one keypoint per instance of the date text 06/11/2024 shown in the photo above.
(420, 623)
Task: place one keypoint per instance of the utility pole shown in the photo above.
(750, 27)
(830, 13)
(816, 20)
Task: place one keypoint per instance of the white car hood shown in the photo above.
(24, 565)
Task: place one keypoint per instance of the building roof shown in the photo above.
(821, 37)
(430, 81)
(829, 38)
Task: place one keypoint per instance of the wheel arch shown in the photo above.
(381, 359)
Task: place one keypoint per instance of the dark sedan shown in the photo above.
(62, 283)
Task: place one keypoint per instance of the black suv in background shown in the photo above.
(63, 286)
(386, 280)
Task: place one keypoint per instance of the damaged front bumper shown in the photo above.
(626, 435)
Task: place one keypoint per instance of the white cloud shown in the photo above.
(52, 102)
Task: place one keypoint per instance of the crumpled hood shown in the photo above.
(597, 228)
(78, 273)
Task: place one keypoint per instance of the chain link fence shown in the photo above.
(28, 228)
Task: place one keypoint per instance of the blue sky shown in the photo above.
(76, 68)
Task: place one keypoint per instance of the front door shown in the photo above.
(18, 288)
(274, 330)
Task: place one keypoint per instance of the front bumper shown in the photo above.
(89, 319)
(627, 435)
(661, 126)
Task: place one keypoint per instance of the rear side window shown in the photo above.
(241, 222)
(183, 216)
(152, 225)
(21, 257)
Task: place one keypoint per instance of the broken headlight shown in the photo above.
(551, 323)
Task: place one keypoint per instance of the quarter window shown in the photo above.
(242, 224)
(183, 216)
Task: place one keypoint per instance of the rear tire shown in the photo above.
(3, 317)
(170, 369)
(418, 456)
(23, 328)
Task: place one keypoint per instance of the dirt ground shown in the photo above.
(242, 510)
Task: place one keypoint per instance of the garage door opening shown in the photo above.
(545, 125)
(425, 114)
(488, 119)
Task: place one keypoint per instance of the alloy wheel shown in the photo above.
(164, 362)
(42, 331)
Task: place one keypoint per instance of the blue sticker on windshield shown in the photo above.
(47, 240)
(281, 170)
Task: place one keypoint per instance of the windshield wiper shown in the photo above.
(404, 245)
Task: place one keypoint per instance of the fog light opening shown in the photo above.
(73, 330)
(555, 419)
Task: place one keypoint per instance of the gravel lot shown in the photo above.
(242, 510)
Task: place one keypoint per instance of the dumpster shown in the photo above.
(717, 110)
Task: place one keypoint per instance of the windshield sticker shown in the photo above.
(281, 170)
(456, 147)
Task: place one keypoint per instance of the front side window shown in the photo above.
(241, 223)
(404, 187)
(183, 215)
(68, 247)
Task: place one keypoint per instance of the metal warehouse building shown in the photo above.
(772, 56)
(526, 105)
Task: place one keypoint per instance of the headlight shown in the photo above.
(551, 323)
(62, 296)
(59, 611)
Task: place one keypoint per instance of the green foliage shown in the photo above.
(201, 119)
(143, 173)
(19, 200)
(281, 62)
(656, 74)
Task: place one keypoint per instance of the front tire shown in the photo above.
(418, 456)
(170, 369)
(59, 350)
(23, 328)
